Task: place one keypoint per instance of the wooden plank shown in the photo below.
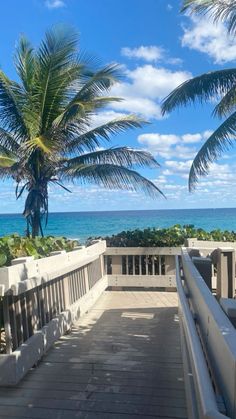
(122, 360)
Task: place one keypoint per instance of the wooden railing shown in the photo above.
(26, 313)
(141, 266)
(38, 310)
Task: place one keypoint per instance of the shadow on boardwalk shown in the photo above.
(122, 360)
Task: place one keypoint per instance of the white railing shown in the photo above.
(200, 395)
(217, 336)
(41, 299)
(141, 266)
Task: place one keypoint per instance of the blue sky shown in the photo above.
(158, 48)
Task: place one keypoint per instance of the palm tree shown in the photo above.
(45, 126)
(221, 83)
(220, 10)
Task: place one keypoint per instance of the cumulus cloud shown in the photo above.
(145, 88)
(145, 107)
(54, 4)
(212, 39)
(148, 53)
(170, 145)
(177, 167)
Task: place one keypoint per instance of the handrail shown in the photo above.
(206, 396)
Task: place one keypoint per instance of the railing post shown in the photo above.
(66, 291)
(7, 325)
(225, 273)
(117, 265)
(86, 277)
(170, 265)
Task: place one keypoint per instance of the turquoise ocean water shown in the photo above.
(82, 225)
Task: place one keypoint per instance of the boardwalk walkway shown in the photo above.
(121, 361)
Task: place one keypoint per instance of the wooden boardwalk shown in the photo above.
(121, 361)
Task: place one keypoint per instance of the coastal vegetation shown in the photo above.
(15, 246)
(218, 86)
(166, 237)
(48, 130)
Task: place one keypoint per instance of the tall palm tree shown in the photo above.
(222, 84)
(45, 126)
(220, 10)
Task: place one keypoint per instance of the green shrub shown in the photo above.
(166, 237)
(15, 246)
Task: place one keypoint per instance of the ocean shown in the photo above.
(81, 225)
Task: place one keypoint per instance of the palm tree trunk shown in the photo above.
(35, 208)
(36, 223)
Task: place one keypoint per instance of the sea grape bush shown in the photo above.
(166, 237)
(15, 246)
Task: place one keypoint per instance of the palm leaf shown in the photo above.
(121, 156)
(43, 143)
(6, 161)
(221, 140)
(78, 110)
(55, 58)
(227, 103)
(11, 98)
(8, 141)
(25, 63)
(91, 139)
(220, 10)
(203, 88)
(112, 176)
(98, 83)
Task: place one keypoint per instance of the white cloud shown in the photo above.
(177, 167)
(156, 82)
(212, 39)
(148, 53)
(191, 138)
(145, 88)
(145, 107)
(54, 4)
(170, 145)
(151, 53)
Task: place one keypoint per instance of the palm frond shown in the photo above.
(42, 142)
(11, 115)
(202, 88)
(221, 140)
(91, 139)
(121, 156)
(6, 161)
(25, 63)
(8, 141)
(79, 110)
(55, 58)
(111, 176)
(227, 104)
(220, 10)
(98, 83)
